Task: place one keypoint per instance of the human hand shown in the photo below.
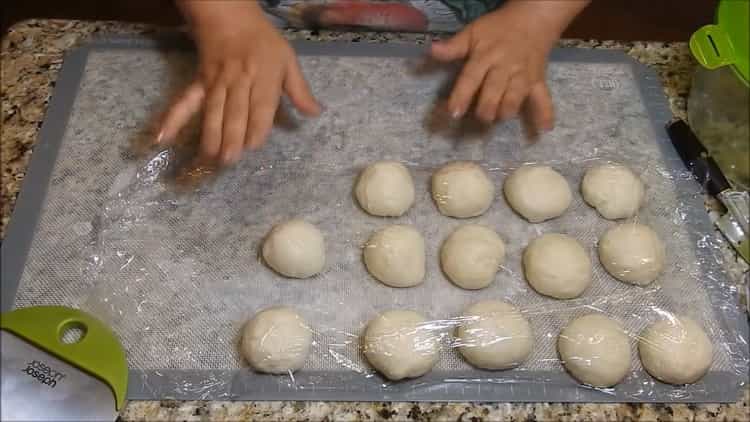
(245, 67)
(506, 58)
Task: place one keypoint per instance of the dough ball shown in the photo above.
(675, 350)
(538, 193)
(295, 249)
(614, 190)
(276, 340)
(400, 345)
(632, 253)
(395, 256)
(385, 188)
(557, 265)
(595, 350)
(472, 255)
(462, 189)
(494, 336)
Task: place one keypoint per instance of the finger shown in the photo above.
(299, 92)
(467, 85)
(213, 117)
(234, 126)
(454, 48)
(540, 108)
(516, 92)
(264, 101)
(180, 111)
(491, 94)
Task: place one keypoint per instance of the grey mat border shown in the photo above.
(246, 385)
(22, 226)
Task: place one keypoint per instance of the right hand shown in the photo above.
(245, 67)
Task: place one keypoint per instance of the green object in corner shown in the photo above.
(98, 352)
(744, 249)
(726, 42)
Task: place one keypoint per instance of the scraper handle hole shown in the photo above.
(72, 332)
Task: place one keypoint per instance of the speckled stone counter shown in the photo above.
(32, 54)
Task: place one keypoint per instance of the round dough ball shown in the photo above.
(538, 193)
(614, 190)
(385, 188)
(295, 249)
(675, 350)
(472, 255)
(462, 189)
(276, 340)
(557, 265)
(395, 255)
(632, 253)
(595, 350)
(400, 345)
(495, 336)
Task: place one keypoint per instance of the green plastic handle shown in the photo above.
(712, 47)
(98, 352)
(744, 249)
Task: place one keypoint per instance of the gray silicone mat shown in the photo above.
(176, 274)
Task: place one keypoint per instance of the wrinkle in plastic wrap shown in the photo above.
(176, 274)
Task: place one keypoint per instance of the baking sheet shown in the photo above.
(176, 273)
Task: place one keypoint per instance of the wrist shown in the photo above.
(548, 18)
(214, 18)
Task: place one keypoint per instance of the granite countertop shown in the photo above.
(32, 53)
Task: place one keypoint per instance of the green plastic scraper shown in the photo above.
(50, 374)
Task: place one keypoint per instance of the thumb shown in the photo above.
(452, 49)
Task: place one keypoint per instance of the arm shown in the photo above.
(554, 15)
(217, 15)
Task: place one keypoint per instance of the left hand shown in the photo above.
(506, 59)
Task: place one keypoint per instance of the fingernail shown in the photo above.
(159, 137)
(456, 114)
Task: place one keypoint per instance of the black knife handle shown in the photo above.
(696, 158)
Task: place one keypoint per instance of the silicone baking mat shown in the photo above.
(176, 273)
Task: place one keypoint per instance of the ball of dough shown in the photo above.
(595, 350)
(385, 188)
(462, 189)
(557, 265)
(675, 350)
(395, 255)
(400, 345)
(472, 255)
(276, 340)
(494, 336)
(614, 190)
(538, 193)
(295, 249)
(632, 253)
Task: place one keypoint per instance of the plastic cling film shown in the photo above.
(276, 340)
(512, 335)
(675, 350)
(178, 272)
(613, 190)
(461, 189)
(401, 344)
(632, 253)
(395, 256)
(595, 350)
(493, 335)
